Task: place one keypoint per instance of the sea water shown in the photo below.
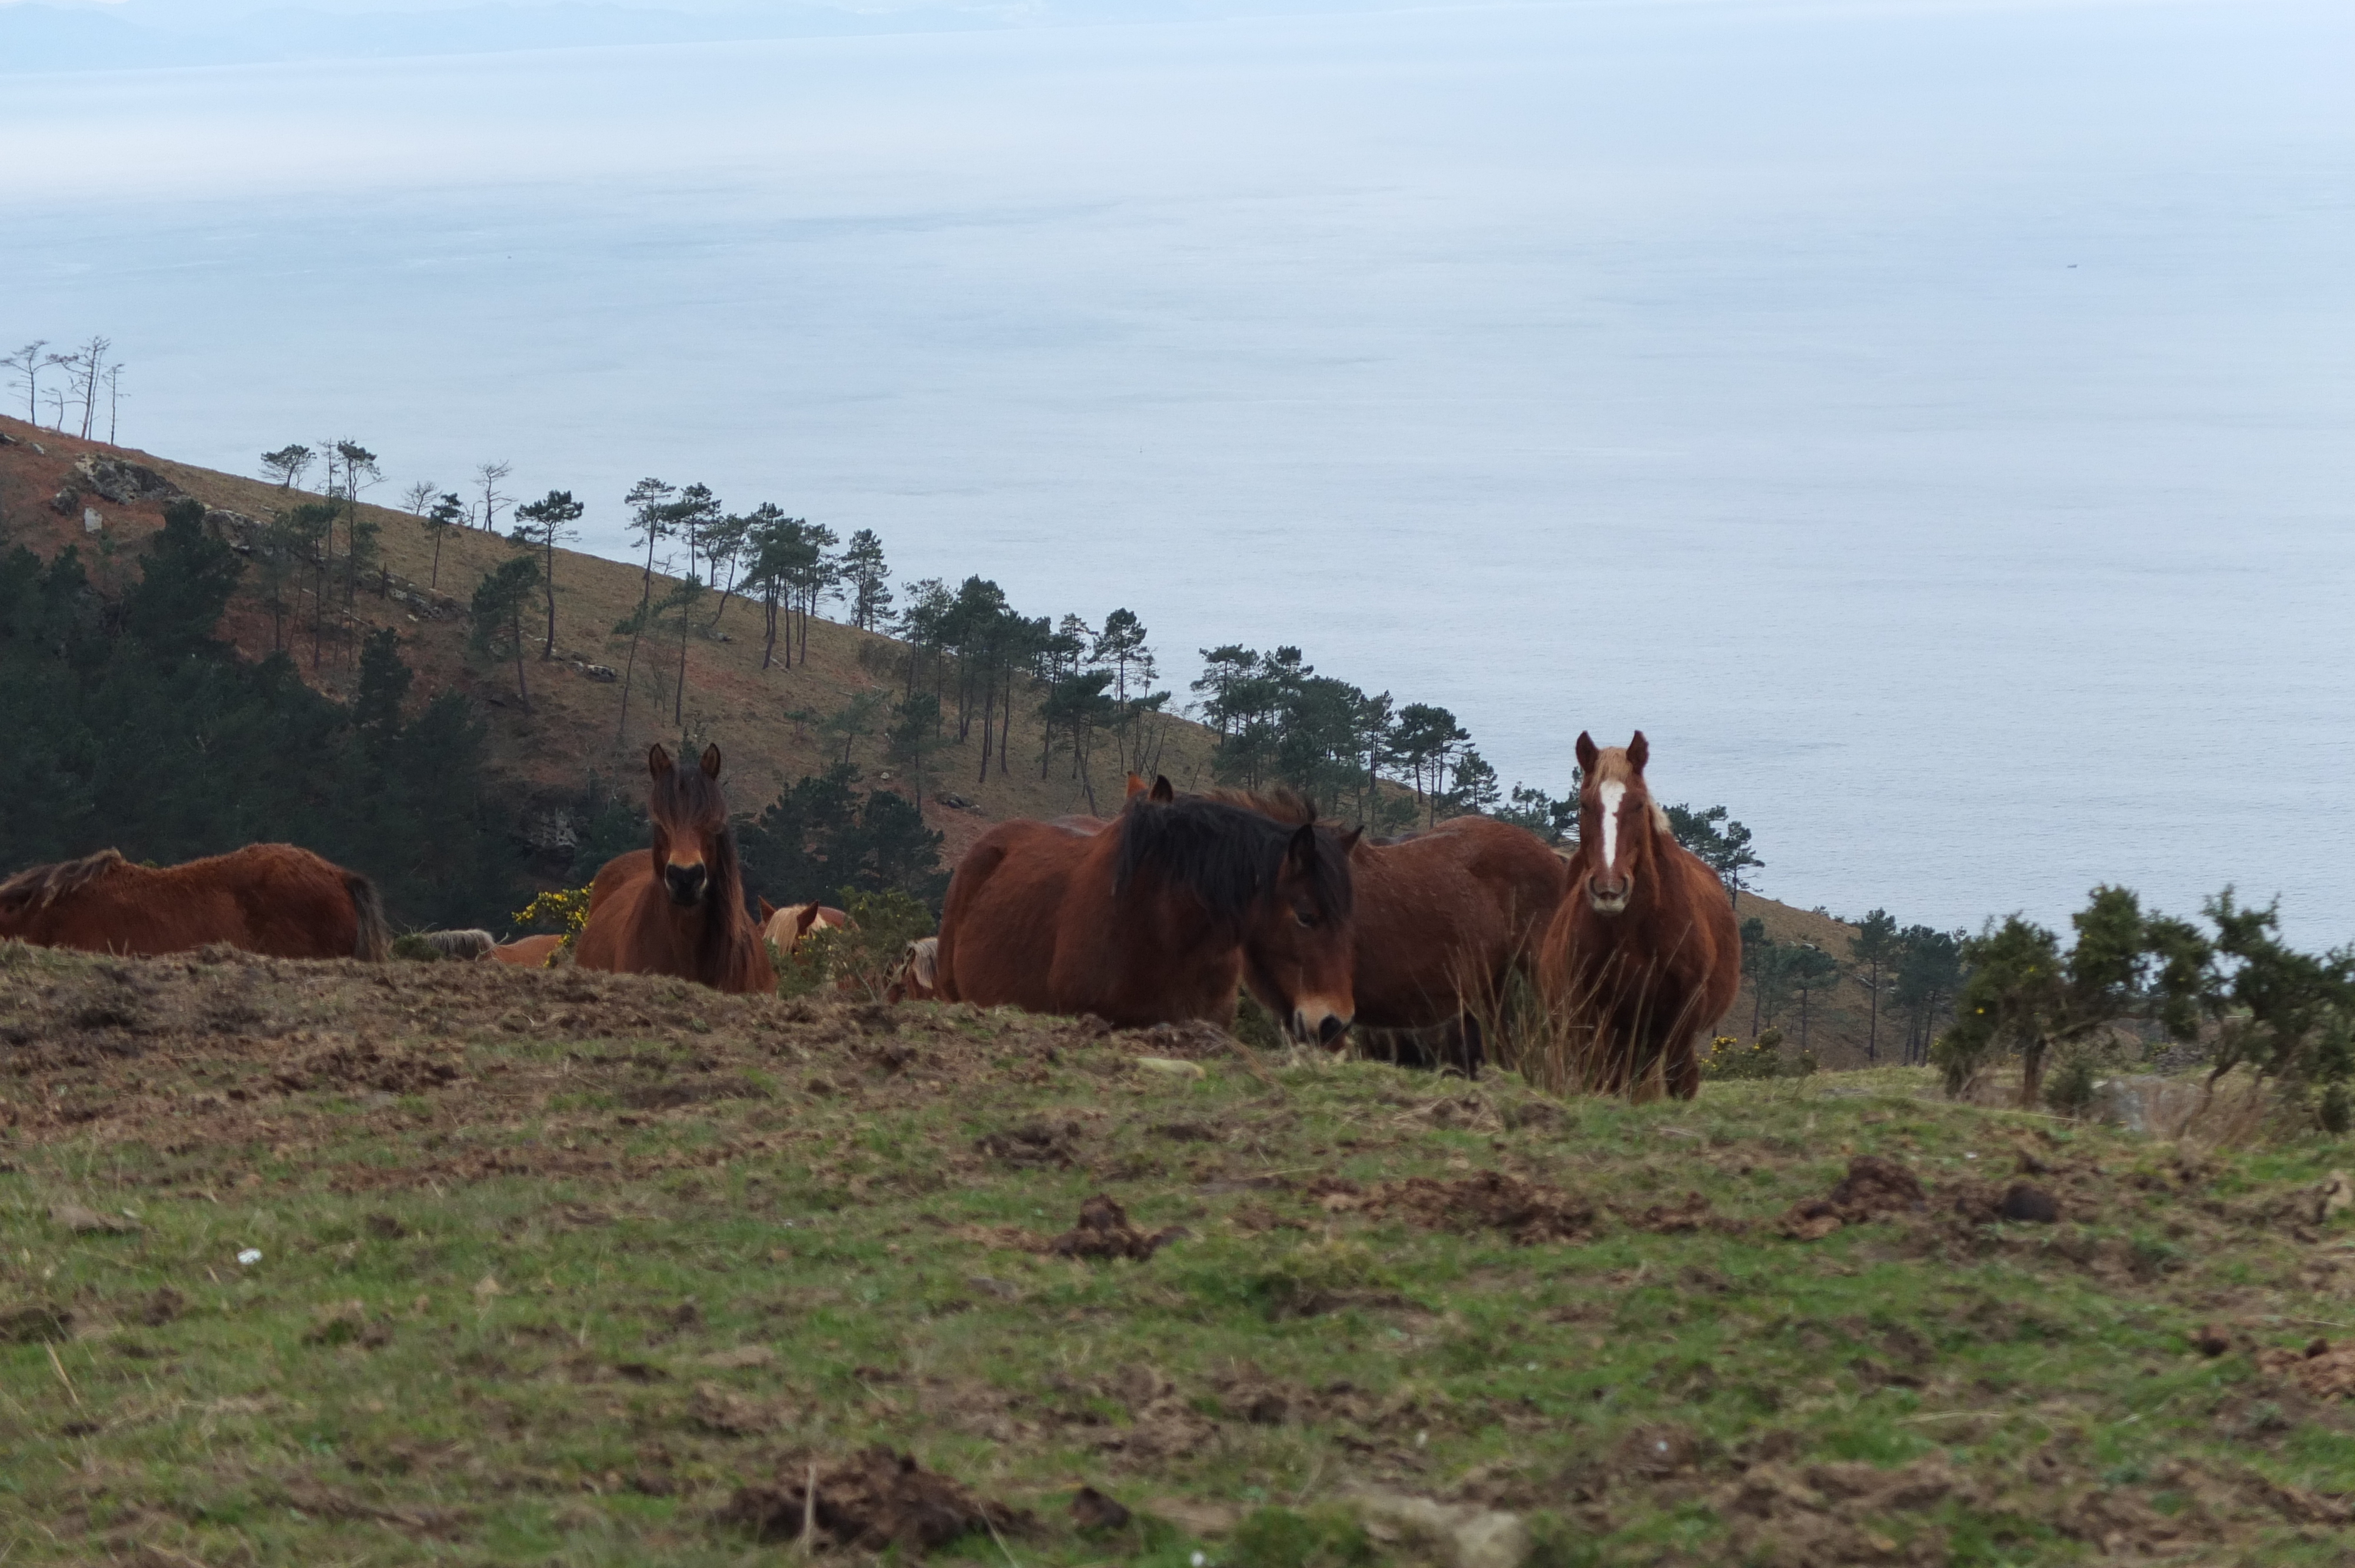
(1933, 424)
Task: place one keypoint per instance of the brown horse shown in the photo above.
(528, 952)
(677, 908)
(1150, 919)
(266, 898)
(1445, 919)
(784, 928)
(1643, 954)
(916, 977)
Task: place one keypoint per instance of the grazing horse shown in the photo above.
(678, 908)
(784, 928)
(266, 898)
(1445, 919)
(916, 977)
(1150, 919)
(1643, 954)
(528, 952)
(462, 945)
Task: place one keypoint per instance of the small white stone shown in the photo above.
(1200, 1560)
(250, 1256)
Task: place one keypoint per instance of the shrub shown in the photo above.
(2071, 1088)
(861, 957)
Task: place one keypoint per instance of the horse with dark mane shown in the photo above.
(1445, 919)
(677, 908)
(1643, 954)
(265, 898)
(1152, 918)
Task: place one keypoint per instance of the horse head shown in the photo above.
(1619, 824)
(1281, 890)
(1297, 943)
(691, 848)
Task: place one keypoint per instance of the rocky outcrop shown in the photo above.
(123, 483)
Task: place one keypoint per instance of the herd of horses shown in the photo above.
(1163, 913)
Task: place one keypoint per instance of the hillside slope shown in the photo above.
(574, 736)
(575, 731)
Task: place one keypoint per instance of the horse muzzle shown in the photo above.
(685, 884)
(1315, 1019)
(1607, 898)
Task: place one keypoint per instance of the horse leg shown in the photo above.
(1684, 1072)
(1471, 1044)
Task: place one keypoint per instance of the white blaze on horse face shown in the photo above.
(1612, 793)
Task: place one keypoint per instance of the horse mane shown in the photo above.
(38, 886)
(1281, 802)
(685, 799)
(1227, 855)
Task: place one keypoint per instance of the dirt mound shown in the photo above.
(1528, 1213)
(1820, 1515)
(1691, 1212)
(2321, 1370)
(1104, 1231)
(1034, 1143)
(364, 1065)
(1873, 1189)
(876, 1501)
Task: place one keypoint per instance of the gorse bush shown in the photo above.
(2253, 1001)
(1728, 1058)
(861, 958)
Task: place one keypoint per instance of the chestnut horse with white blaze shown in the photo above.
(1150, 919)
(265, 898)
(1644, 953)
(678, 908)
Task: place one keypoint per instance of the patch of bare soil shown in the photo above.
(1194, 1039)
(1687, 1215)
(875, 1500)
(1531, 1213)
(1873, 1189)
(365, 1065)
(1105, 1231)
(1034, 1144)
(1825, 1514)
(2321, 1370)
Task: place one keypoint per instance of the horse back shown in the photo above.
(274, 899)
(997, 923)
(1447, 915)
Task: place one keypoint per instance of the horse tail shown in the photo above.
(373, 942)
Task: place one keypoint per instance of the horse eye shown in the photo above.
(1306, 916)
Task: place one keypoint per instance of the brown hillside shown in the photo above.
(574, 730)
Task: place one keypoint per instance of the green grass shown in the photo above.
(545, 1277)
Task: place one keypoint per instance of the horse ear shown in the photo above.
(1587, 755)
(658, 760)
(711, 762)
(1639, 751)
(1349, 841)
(1300, 854)
(1164, 792)
(805, 920)
(1135, 787)
(767, 910)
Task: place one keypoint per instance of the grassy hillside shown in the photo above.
(315, 1263)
